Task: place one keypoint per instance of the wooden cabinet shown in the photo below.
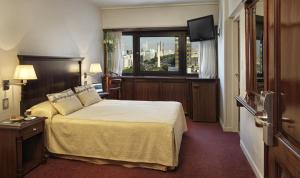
(22, 147)
(147, 90)
(175, 91)
(204, 100)
(198, 96)
(127, 89)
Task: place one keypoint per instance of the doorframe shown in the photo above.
(236, 70)
(236, 61)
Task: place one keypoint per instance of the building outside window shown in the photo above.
(127, 53)
(192, 56)
(159, 54)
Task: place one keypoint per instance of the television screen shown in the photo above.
(201, 29)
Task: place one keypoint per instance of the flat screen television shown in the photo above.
(201, 29)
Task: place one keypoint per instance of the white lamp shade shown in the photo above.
(95, 68)
(25, 72)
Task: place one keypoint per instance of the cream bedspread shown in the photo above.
(131, 131)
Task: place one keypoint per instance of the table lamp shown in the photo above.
(95, 68)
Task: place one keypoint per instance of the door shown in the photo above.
(204, 98)
(283, 41)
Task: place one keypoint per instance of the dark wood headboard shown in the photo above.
(54, 74)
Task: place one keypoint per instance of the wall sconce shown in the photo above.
(94, 70)
(23, 73)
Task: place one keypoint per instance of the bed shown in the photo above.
(131, 133)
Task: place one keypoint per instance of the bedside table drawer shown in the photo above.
(32, 130)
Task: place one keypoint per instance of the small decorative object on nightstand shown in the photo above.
(22, 146)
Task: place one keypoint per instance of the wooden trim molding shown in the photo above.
(151, 29)
(250, 102)
(47, 58)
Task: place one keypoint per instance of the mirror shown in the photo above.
(259, 41)
(254, 46)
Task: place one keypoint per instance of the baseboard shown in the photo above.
(228, 129)
(225, 129)
(251, 161)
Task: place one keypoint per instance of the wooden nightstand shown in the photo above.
(22, 146)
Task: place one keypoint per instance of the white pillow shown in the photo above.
(65, 102)
(44, 109)
(87, 95)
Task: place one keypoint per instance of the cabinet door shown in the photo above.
(204, 101)
(175, 91)
(146, 90)
(127, 89)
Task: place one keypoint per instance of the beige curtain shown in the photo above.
(207, 59)
(113, 42)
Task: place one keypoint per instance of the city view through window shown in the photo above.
(159, 54)
(127, 53)
(192, 55)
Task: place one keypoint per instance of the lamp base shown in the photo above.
(16, 118)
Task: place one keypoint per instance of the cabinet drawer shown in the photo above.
(32, 130)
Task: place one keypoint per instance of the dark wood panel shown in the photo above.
(204, 101)
(22, 150)
(283, 60)
(147, 90)
(289, 68)
(127, 89)
(8, 154)
(175, 91)
(286, 157)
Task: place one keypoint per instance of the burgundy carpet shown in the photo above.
(206, 152)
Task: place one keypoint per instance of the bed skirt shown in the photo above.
(113, 162)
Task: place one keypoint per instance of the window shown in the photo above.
(159, 54)
(127, 53)
(192, 56)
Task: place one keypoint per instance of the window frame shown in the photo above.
(137, 32)
(181, 34)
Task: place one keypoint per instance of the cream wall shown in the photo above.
(227, 60)
(233, 5)
(221, 60)
(156, 16)
(43, 27)
(251, 137)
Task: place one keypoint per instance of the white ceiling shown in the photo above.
(129, 3)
